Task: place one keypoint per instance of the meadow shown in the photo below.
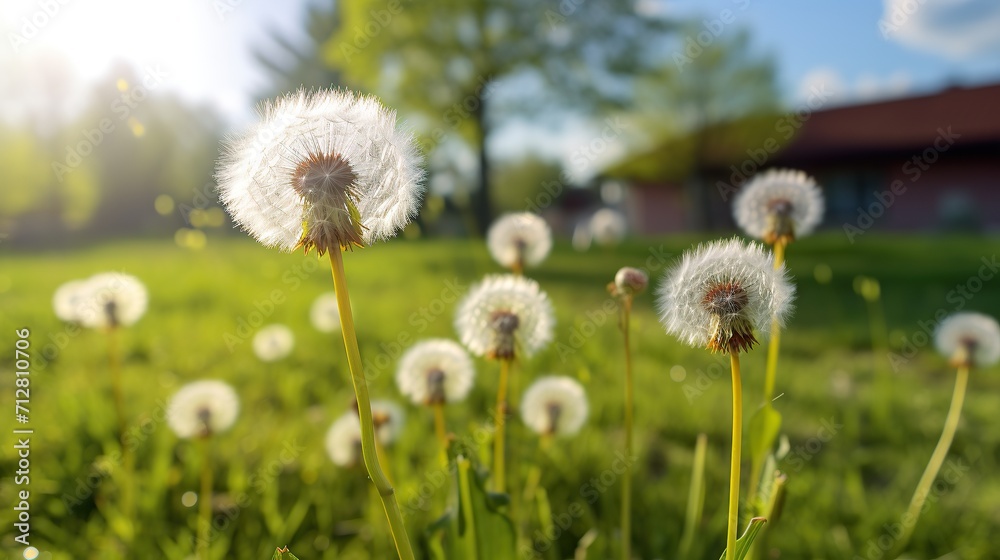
(860, 424)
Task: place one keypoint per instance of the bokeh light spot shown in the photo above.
(189, 499)
(164, 204)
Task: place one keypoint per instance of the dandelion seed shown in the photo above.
(555, 405)
(434, 372)
(608, 227)
(779, 205)
(273, 342)
(324, 313)
(112, 300)
(343, 441)
(518, 240)
(504, 316)
(69, 300)
(721, 292)
(322, 170)
(202, 409)
(969, 339)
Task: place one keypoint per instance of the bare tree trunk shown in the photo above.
(482, 204)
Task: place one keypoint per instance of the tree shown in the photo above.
(291, 65)
(444, 61)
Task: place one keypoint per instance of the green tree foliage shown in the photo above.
(443, 61)
(291, 65)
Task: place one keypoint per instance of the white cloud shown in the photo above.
(953, 28)
(828, 87)
(822, 82)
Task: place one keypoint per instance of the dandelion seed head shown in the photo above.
(608, 227)
(343, 441)
(273, 342)
(69, 299)
(779, 204)
(389, 420)
(519, 239)
(435, 371)
(969, 339)
(323, 170)
(721, 292)
(555, 405)
(325, 314)
(111, 299)
(504, 316)
(202, 409)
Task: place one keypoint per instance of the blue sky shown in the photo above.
(204, 48)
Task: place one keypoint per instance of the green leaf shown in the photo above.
(764, 428)
(744, 543)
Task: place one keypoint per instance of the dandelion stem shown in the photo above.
(440, 432)
(734, 466)
(368, 449)
(128, 460)
(937, 459)
(205, 501)
(499, 482)
(775, 342)
(626, 513)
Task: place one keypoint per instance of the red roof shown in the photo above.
(898, 125)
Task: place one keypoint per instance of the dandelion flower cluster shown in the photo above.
(505, 315)
(519, 239)
(322, 170)
(435, 372)
(779, 204)
(720, 292)
(273, 342)
(202, 409)
(608, 227)
(324, 313)
(969, 339)
(555, 405)
(105, 300)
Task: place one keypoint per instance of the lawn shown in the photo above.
(860, 424)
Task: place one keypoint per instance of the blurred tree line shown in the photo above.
(138, 160)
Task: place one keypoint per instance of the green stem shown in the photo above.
(500, 419)
(441, 432)
(937, 459)
(734, 465)
(368, 450)
(774, 344)
(205, 502)
(128, 459)
(626, 513)
(696, 496)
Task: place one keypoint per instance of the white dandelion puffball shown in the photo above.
(505, 315)
(435, 371)
(69, 299)
(325, 314)
(202, 408)
(519, 239)
(722, 291)
(112, 299)
(608, 227)
(343, 441)
(969, 339)
(779, 204)
(322, 170)
(630, 281)
(554, 405)
(388, 418)
(273, 342)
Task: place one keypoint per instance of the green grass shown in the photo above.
(277, 487)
